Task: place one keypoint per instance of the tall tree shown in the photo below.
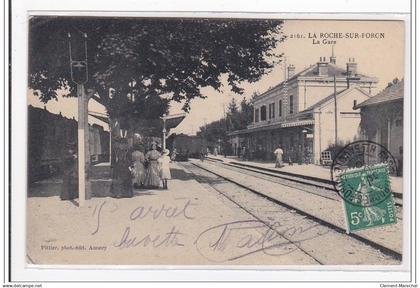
(247, 110)
(153, 61)
(237, 118)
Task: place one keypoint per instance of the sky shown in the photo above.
(377, 47)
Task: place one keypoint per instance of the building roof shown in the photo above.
(331, 96)
(312, 71)
(391, 93)
(275, 125)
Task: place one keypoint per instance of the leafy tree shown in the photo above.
(232, 116)
(237, 118)
(247, 110)
(163, 57)
(232, 107)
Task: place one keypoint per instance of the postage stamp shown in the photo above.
(361, 176)
(368, 201)
(369, 165)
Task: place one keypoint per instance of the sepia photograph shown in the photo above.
(215, 141)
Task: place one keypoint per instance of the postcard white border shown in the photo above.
(21, 10)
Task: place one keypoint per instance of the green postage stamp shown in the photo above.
(368, 200)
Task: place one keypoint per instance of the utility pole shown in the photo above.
(79, 75)
(335, 111)
(164, 132)
(285, 68)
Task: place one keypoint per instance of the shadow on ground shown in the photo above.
(101, 187)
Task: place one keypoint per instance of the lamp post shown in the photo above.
(164, 132)
(79, 75)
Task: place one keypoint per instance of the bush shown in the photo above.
(335, 149)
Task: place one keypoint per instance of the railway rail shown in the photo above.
(319, 186)
(356, 236)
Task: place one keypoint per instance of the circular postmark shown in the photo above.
(360, 173)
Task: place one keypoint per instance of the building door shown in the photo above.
(308, 152)
(384, 135)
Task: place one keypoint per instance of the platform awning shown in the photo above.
(172, 121)
(273, 126)
(297, 123)
(100, 117)
(148, 126)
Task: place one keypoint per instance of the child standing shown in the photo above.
(165, 172)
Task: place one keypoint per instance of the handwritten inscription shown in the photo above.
(132, 237)
(220, 243)
(169, 239)
(234, 240)
(166, 211)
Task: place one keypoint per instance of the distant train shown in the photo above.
(186, 146)
(49, 135)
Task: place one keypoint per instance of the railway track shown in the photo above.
(313, 185)
(332, 226)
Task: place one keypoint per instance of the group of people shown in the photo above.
(134, 169)
(150, 170)
(131, 168)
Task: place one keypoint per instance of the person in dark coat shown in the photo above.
(121, 186)
(70, 186)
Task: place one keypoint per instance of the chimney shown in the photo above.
(352, 77)
(322, 67)
(290, 71)
(351, 68)
(333, 59)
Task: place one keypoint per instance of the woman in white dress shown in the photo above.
(152, 179)
(165, 172)
(138, 167)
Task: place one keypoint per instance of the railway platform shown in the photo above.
(304, 170)
(175, 226)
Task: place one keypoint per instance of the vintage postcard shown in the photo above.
(215, 141)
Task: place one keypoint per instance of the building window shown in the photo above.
(398, 122)
(263, 113)
(271, 111)
(257, 115)
(280, 108)
(291, 104)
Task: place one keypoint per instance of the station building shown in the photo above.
(382, 120)
(299, 113)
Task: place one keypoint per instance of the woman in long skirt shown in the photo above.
(165, 172)
(152, 178)
(138, 167)
(70, 188)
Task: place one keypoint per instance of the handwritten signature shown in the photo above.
(238, 239)
(169, 239)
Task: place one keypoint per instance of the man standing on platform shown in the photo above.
(279, 157)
